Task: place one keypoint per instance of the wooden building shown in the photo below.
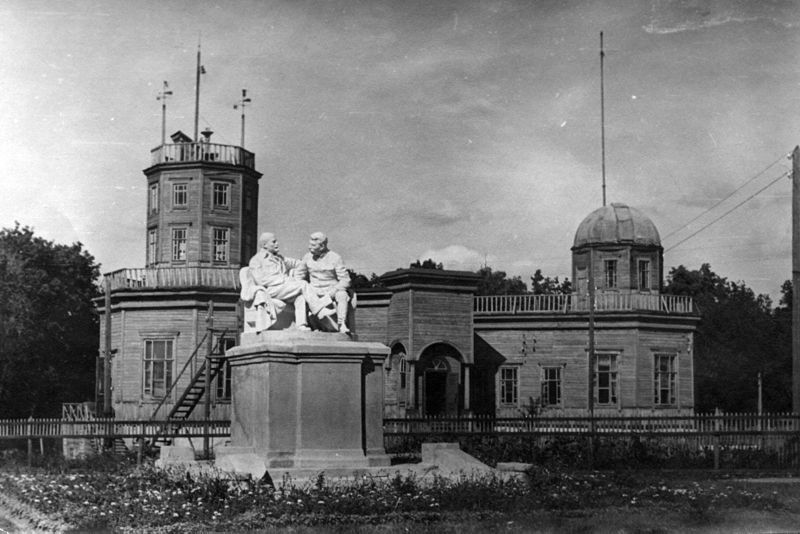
(452, 352)
(202, 213)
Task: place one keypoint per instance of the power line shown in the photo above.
(727, 197)
(784, 175)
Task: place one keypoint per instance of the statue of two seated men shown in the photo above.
(316, 285)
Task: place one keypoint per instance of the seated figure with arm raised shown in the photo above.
(270, 271)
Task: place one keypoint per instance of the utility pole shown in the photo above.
(244, 101)
(162, 96)
(590, 378)
(602, 118)
(796, 280)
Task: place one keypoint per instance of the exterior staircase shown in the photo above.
(191, 396)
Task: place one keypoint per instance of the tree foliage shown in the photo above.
(48, 324)
(498, 283)
(427, 264)
(738, 337)
(544, 285)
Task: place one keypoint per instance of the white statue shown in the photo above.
(327, 277)
(267, 285)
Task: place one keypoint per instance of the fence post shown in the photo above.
(30, 441)
(140, 447)
(717, 424)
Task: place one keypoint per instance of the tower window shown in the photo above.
(179, 244)
(664, 379)
(221, 244)
(222, 195)
(509, 393)
(551, 386)
(180, 195)
(152, 199)
(644, 274)
(152, 246)
(610, 271)
(605, 378)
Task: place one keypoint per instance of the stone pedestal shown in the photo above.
(307, 400)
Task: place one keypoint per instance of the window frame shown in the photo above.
(547, 382)
(611, 275)
(176, 249)
(152, 199)
(670, 375)
(152, 246)
(221, 191)
(222, 383)
(224, 243)
(180, 192)
(503, 384)
(644, 275)
(167, 363)
(613, 379)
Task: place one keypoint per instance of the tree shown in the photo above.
(427, 264)
(498, 283)
(48, 324)
(544, 285)
(360, 281)
(738, 337)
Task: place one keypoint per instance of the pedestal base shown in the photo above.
(308, 400)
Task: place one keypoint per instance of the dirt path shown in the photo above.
(18, 517)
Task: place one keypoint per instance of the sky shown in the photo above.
(468, 132)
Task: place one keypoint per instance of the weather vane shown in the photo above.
(242, 103)
(162, 96)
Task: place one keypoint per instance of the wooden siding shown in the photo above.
(132, 323)
(568, 348)
(442, 317)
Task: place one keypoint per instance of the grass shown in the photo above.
(112, 495)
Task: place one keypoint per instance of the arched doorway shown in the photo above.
(440, 379)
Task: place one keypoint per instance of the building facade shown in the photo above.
(616, 344)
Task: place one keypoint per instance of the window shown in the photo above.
(508, 386)
(404, 372)
(152, 246)
(248, 200)
(180, 195)
(220, 242)
(152, 199)
(179, 244)
(551, 386)
(610, 270)
(605, 378)
(158, 362)
(664, 379)
(644, 274)
(224, 375)
(221, 196)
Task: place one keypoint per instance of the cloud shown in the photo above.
(677, 16)
(456, 257)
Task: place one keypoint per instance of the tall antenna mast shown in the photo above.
(162, 96)
(602, 118)
(200, 70)
(245, 100)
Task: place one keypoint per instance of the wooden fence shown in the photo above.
(110, 428)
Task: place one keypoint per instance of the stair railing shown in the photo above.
(175, 382)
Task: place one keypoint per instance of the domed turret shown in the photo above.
(616, 224)
(622, 247)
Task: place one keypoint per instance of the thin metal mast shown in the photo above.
(245, 100)
(198, 70)
(162, 96)
(796, 280)
(602, 117)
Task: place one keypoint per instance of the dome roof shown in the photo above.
(616, 224)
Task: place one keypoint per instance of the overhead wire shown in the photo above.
(768, 167)
(784, 175)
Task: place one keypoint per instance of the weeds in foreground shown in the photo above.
(148, 498)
